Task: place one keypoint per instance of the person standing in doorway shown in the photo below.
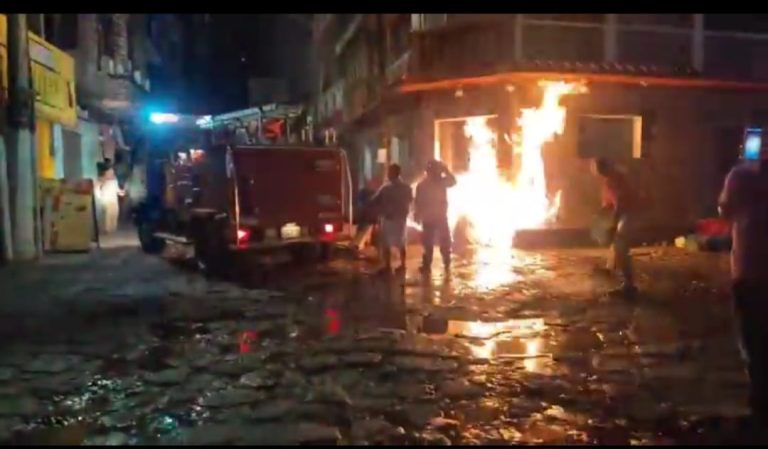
(619, 199)
(109, 192)
(743, 203)
(393, 201)
(431, 210)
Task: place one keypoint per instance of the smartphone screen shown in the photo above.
(753, 141)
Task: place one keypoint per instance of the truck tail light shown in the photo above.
(243, 235)
(328, 228)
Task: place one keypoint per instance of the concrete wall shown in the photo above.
(5, 214)
(90, 148)
(58, 150)
(681, 170)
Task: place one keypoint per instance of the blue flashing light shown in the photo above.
(160, 118)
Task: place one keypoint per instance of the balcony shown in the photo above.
(468, 49)
(736, 56)
(666, 45)
(473, 47)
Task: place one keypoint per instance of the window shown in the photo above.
(49, 26)
(417, 22)
(104, 44)
(613, 136)
(66, 34)
(133, 30)
(35, 24)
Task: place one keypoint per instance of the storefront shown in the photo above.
(53, 80)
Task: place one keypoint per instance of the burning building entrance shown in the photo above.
(493, 205)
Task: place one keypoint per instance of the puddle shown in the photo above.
(511, 339)
(71, 434)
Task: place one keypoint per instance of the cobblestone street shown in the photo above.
(521, 349)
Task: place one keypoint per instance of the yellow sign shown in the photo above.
(53, 78)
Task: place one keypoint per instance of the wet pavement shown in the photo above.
(521, 347)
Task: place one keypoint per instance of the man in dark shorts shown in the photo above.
(620, 200)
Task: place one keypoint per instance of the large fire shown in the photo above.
(494, 207)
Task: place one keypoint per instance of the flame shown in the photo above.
(496, 208)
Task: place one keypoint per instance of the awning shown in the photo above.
(613, 78)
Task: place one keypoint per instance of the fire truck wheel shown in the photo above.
(326, 252)
(210, 259)
(149, 243)
(211, 252)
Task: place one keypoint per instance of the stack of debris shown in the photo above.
(710, 234)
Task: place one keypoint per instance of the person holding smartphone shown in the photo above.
(743, 203)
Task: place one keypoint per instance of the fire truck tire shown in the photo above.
(210, 260)
(326, 252)
(211, 253)
(149, 243)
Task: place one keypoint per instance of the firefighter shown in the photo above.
(742, 202)
(619, 200)
(431, 210)
(393, 201)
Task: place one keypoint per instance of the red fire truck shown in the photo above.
(213, 183)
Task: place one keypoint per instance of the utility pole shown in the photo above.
(6, 245)
(21, 172)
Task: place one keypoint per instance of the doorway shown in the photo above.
(452, 143)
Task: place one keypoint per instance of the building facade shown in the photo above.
(669, 96)
(93, 77)
(116, 59)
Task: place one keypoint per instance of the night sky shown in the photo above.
(253, 45)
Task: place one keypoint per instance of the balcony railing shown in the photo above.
(676, 47)
(628, 44)
(473, 48)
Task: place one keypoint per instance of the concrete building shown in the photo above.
(93, 75)
(117, 59)
(669, 96)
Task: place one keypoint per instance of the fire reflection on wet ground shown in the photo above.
(506, 362)
(517, 338)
